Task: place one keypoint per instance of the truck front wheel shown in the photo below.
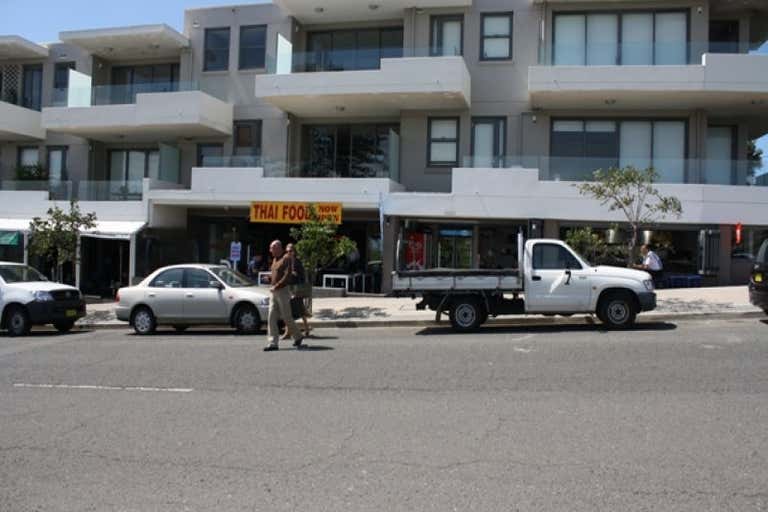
(467, 314)
(617, 310)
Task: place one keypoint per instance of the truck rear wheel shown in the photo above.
(617, 310)
(467, 314)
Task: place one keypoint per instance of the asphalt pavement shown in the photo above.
(671, 416)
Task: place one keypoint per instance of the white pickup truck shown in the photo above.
(552, 280)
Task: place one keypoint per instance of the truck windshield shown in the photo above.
(232, 278)
(20, 274)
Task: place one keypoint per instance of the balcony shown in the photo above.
(141, 113)
(338, 11)
(735, 84)
(19, 124)
(141, 42)
(340, 88)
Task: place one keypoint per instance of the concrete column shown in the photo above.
(131, 259)
(78, 259)
(726, 236)
(551, 229)
(26, 247)
(388, 250)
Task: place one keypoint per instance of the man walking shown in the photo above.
(280, 305)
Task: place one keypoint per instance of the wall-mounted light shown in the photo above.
(373, 7)
(319, 10)
(699, 9)
(534, 119)
(195, 24)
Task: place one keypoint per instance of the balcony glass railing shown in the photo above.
(57, 190)
(709, 171)
(117, 94)
(110, 190)
(346, 60)
(349, 168)
(628, 53)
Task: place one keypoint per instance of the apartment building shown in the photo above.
(452, 123)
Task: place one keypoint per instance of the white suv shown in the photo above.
(27, 298)
(185, 295)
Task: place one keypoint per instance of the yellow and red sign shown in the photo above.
(293, 213)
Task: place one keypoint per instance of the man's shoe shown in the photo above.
(298, 343)
(270, 348)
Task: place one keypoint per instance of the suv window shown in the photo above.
(553, 257)
(171, 278)
(197, 278)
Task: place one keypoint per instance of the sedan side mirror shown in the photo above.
(216, 284)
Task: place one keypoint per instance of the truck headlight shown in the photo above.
(648, 284)
(41, 296)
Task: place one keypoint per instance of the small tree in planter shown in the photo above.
(57, 236)
(318, 245)
(632, 191)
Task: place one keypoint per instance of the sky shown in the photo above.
(42, 20)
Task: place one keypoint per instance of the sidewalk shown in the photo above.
(368, 311)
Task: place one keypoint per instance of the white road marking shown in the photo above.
(103, 388)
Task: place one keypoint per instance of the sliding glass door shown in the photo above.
(488, 141)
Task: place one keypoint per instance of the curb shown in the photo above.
(506, 321)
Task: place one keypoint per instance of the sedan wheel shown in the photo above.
(144, 322)
(247, 319)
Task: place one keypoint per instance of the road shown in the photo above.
(559, 418)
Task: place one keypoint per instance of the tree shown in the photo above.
(318, 245)
(754, 160)
(632, 192)
(587, 243)
(57, 236)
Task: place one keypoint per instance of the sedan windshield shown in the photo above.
(20, 274)
(232, 278)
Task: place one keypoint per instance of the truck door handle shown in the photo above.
(535, 278)
(151, 294)
(191, 295)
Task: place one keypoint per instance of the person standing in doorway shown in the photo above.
(300, 289)
(280, 305)
(651, 263)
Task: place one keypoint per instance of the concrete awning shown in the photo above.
(113, 230)
(15, 47)
(125, 43)
(335, 11)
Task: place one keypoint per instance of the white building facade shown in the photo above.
(452, 124)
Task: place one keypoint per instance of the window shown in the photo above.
(724, 36)
(216, 55)
(350, 150)
(443, 143)
(127, 169)
(197, 278)
(630, 38)
(579, 147)
(209, 155)
(171, 278)
(28, 156)
(61, 81)
(247, 138)
(57, 164)
(253, 47)
(488, 141)
(32, 87)
(344, 50)
(496, 39)
(447, 33)
(553, 257)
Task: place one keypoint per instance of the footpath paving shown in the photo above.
(378, 311)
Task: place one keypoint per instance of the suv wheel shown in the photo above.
(17, 321)
(64, 325)
(143, 321)
(247, 319)
(617, 310)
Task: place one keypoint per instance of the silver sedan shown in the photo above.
(185, 295)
